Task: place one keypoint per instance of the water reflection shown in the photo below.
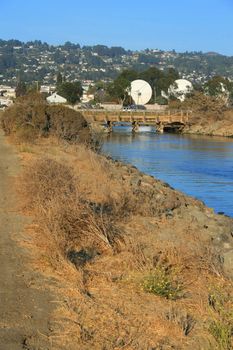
(200, 166)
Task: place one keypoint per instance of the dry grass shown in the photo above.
(63, 208)
(84, 210)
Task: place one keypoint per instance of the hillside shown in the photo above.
(37, 61)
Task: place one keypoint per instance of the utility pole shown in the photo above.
(154, 94)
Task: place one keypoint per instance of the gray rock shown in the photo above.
(135, 181)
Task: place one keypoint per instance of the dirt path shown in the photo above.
(24, 310)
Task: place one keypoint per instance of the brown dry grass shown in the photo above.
(80, 201)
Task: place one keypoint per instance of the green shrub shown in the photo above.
(221, 327)
(163, 283)
(222, 332)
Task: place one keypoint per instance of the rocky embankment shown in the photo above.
(180, 216)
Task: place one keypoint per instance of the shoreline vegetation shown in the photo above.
(210, 115)
(134, 263)
(211, 125)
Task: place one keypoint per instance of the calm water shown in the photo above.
(199, 166)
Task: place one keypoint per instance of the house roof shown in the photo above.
(55, 98)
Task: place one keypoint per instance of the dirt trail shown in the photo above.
(24, 310)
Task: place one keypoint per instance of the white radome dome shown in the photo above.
(180, 88)
(140, 91)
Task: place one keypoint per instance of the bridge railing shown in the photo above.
(167, 116)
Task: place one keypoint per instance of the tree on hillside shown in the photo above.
(172, 74)
(21, 89)
(221, 88)
(99, 90)
(217, 86)
(129, 74)
(59, 79)
(119, 89)
(34, 87)
(71, 91)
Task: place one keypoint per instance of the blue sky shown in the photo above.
(192, 25)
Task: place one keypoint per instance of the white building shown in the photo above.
(55, 98)
(5, 102)
(47, 89)
(7, 91)
(87, 97)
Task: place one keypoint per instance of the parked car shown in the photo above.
(140, 107)
(134, 107)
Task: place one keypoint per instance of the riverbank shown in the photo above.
(135, 263)
(200, 166)
(210, 124)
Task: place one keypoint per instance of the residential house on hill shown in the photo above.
(55, 98)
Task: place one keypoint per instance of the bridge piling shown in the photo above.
(160, 128)
(109, 126)
(135, 126)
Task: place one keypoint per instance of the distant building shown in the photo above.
(111, 106)
(7, 91)
(87, 97)
(55, 98)
(47, 89)
(5, 102)
(155, 107)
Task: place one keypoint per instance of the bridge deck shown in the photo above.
(152, 117)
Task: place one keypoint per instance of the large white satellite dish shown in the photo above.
(140, 91)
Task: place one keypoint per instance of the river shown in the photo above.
(199, 166)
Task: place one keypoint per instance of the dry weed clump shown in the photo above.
(74, 222)
(46, 180)
(183, 319)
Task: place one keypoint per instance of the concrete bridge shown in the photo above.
(167, 120)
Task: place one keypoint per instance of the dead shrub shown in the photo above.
(31, 112)
(26, 111)
(74, 226)
(64, 211)
(204, 105)
(183, 319)
(46, 180)
(68, 124)
(26, 135)
(122, 207)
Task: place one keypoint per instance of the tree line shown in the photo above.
(118, 90)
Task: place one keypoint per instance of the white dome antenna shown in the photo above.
(140, 91)
(180, 88)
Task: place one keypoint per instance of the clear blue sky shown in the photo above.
(193, 25)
